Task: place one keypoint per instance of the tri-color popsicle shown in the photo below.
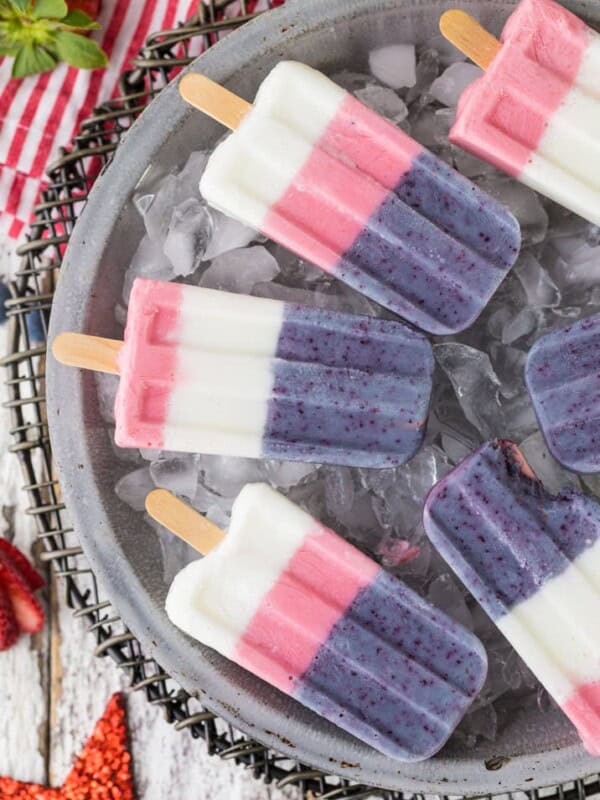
(317, 171)
(212, 372)
(532, 560)
(536, 112)
(563, 378)
(292, 602)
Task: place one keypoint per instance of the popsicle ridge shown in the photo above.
(229, 374)
(297, 605)
(532, 560)
(563, 381)
(534, 113)
(142, 406)
(313, 168)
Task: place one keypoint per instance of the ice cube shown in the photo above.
(476, 385)
(524, 203)
(133, 488)
(445, 594)
(424, 127)
(442, 122)
(448, 88)
(187, 236)
(340, 492)
(351, 81)
(456, 446)
(395, 65)
(428, 67)
(227, 234)
(548, 470)
(522, 324)
(188, 178)
(540, 290)
(383, 101)
(284, 474)
(239, 270)
(178, 474)
(471, 166)
(578, 263)
(148, 262)
(226, 475)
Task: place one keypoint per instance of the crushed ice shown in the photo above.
(479, 390)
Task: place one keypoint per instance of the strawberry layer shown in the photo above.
(297, 615)
(504, 115)
(583, 709)
(352, 167)
(148, 364)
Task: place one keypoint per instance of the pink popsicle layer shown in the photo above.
(583, 708)
(503, 115)
(296, 616)
(149, 356)
(323, 225)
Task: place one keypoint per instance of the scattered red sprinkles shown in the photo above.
(103, 770)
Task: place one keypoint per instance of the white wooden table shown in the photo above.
(52, 689)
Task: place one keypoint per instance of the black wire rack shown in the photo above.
(70, 179)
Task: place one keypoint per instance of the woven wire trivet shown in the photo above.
(69, 182)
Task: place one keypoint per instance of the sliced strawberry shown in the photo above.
(32, 577)
(9, 630)
(28, 612)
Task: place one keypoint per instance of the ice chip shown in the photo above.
(448, 88)
(395, 65)
(240, 270)
(227, 234)
(187, 236)
(133, 488)
(179, 474)
(384, 101)
(475, 383)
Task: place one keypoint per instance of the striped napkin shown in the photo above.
(40, 113)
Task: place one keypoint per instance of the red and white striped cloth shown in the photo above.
(40, 113)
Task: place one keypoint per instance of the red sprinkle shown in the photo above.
(103, 770)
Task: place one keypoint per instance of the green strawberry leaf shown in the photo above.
(79, 19)
(30, 60)
(79, 51)
(50, 9)
(22, 5)
(7, 49)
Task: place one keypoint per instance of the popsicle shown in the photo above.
(536, 112)
(314, 169)
(562, 374)
(289, 600)
(212, 372)
(532, 560)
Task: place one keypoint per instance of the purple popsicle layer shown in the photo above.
(532, 560)
(563, 378)
(348, 389)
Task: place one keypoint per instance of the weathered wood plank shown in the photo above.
(167, 762)
(24, 668)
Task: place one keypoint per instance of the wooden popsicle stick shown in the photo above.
(184, 521)
(88, 352)
(214, 99)
(470, 37)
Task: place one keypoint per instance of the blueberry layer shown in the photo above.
(436, 249)
(347, 389)
(501, 532)
(395, 672)
(563, 378)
